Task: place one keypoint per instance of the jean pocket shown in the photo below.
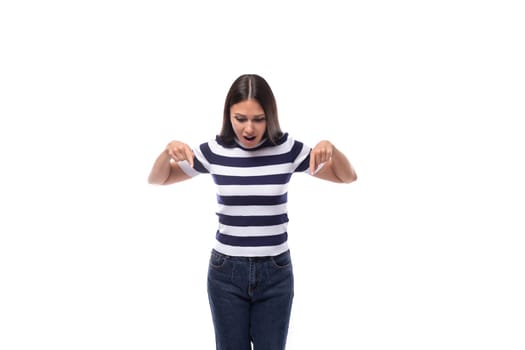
(282, 260)
(217, 260)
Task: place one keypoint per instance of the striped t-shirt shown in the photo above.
(252, 192)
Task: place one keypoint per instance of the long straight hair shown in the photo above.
(251, 86)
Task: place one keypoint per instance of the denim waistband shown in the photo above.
(249, 258)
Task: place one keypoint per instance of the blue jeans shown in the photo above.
(250, 300)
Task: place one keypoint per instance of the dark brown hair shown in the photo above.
(251, 86)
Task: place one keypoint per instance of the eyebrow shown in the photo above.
(255, 116)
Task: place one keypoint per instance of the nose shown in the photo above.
(249, 127)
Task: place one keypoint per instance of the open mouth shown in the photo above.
(249, 138)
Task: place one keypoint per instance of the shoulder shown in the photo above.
(290, 140)
(203, 151)
(293, 144)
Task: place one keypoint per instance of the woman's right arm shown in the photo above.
(165, 170)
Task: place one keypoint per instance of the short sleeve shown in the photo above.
(200, 163)
(302, 158)
(304, 165)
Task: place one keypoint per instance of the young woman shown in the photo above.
(250, 277)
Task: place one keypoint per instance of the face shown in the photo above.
(248, 122)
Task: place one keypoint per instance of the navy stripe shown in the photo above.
(252, 241)
(278, 179)
(252, 200)
(197, 165)
(247, 162)
(267, 220)
(296, 149)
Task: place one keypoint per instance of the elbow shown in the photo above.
(349, 179)
(154, 181)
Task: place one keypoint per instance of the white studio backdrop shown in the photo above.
(424, 251)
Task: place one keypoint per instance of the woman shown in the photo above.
(250, 277)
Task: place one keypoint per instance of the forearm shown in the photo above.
(342, 168)
(161, 169)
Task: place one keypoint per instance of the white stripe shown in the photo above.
(239, 152)
(253, 231)
(251, 251)
(252, 210)
(252, 171)
(252, 190)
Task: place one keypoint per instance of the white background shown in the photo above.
(424, 251)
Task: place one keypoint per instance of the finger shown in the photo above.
(189, 155)
(178, 155)
(313, 163)
(170, 153)
(324, 156)
(174, 154)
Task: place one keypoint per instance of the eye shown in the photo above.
(259, 120)
(240, 119)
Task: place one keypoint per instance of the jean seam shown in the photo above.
(276, 265)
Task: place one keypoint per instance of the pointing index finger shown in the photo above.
(189, 155)
(313, 164)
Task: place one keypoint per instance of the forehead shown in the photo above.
(247, 107)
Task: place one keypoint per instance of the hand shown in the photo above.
(319, 155)
(179, 151)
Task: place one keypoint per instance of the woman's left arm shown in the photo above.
(328, 163)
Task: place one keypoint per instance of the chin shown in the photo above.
(250, 144)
